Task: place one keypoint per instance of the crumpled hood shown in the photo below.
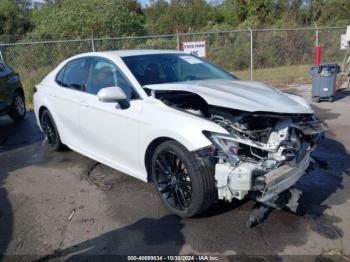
(248, 96)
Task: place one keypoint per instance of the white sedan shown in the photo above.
(197, 132)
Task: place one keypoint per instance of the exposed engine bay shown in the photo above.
(265, 154)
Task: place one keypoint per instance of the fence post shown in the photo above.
(92, 42)
(178, 40)
(251, 52)
(1, 57)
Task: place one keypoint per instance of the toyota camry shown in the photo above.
(194, 130)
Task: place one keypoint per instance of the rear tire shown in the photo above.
(18, 108)
(50, 131)
(185, 184)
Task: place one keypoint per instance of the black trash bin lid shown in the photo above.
(329, 67)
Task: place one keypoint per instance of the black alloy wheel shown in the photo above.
(173, 180)
(18, 108)
(185, 183)
(50, 131)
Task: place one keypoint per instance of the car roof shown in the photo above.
(124, 53)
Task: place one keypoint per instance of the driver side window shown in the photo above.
(103, 73)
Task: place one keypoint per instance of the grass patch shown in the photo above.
(279, 76)
(29, 79)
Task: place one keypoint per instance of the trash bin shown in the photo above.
(324, 81)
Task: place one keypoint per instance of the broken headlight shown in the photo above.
(224, 144)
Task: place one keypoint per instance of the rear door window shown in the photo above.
(59, 77)
(75, 74)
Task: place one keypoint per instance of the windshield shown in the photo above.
(170, 68)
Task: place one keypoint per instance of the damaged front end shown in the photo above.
(264, 155)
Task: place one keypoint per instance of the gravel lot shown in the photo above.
(55, 205)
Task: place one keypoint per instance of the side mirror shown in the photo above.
(111, 94)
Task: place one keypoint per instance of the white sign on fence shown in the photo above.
(195, 48)
(344, 44)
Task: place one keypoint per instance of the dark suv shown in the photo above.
(11, 93)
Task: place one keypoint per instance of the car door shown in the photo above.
(3, 88)
(110, 132)
(66, 96)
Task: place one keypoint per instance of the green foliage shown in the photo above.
(13, 21)
(260, 11)
(52, 19)
(234, 12)
(335, 12)
(179, 16)
(84, 17)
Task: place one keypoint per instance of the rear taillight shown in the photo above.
(34, 90)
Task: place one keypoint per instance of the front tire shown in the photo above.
(50, 131)
(185, 184)
(18, 108)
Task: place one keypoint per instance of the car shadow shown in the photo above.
(324, 113)
(341, 94)
(6, 216)
(20, 133)
(319, 188)
(13, 135)
(147, 236)
(222, 207)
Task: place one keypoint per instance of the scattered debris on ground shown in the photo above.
(97, 178)
(71, 215)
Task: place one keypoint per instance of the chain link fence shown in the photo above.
(278, 56)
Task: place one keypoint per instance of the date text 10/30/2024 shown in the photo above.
(173, 258)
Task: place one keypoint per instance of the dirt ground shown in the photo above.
(61, 205)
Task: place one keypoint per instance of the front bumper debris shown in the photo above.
(277, 191)
(288, 199)
(263, 157)
(283, 178)
(238, 182)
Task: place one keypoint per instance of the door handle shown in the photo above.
(84, 103)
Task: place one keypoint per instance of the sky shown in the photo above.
(144, 2)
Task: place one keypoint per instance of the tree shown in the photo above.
(13, 20)
(84, 17)
(178, 15)
(24, 4)
(335, 12)
(259, 12)
(235, 12)
(315, 10)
